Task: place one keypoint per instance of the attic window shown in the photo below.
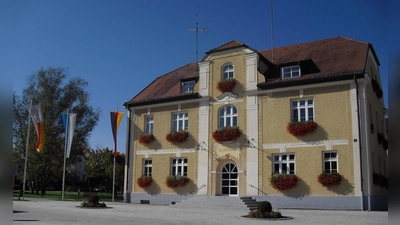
(291, 71)
(188, 86)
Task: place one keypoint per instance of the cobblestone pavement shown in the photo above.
(46, 212)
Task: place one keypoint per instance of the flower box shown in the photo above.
(380, 180)
(174, 181)
(177, 136)
(226, 85)
(226, 134)
(283, 182)
(329, 179)
(301, 128)
(144, 181)
(146, 138)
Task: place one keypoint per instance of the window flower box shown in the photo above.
(146, 138)
(177, 136)
(144, 181)
(174, 181)
(329, 179)
(380, 180)
(226, 85)
(301, 128)
(226, 134)
(283, 182)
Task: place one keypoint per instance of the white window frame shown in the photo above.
(229, 116)
(149, 126)
(327, 157)
(147, 167)
(180, 121)
(188, 86)
(305, 105)
(228, 72)
(291, 72)
(179, 166)
(284, 160)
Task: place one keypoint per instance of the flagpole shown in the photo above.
(26, 150)
(65, 154)
(115, 150)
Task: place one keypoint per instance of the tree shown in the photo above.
(56, 95)
(99, 166)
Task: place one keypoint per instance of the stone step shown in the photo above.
(215, 202)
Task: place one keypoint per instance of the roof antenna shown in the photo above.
(197, 29)
(272, 31)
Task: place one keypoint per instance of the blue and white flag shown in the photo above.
(69, 120)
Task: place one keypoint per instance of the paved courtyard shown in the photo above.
(47, 212)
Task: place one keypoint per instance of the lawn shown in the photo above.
(68, 196)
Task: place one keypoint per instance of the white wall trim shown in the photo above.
(252, 155)
(251, 71)
(178, 152)
(202, 163)
(329, 144)
(356, 146)
(204, 78)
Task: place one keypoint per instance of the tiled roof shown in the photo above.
(231, 44)
(168, 85)
(334, 57)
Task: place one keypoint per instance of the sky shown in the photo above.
(119, 47)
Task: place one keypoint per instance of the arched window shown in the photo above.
(228, 116)
(227, 72)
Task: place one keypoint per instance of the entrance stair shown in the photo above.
(217, 202)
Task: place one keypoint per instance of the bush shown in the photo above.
(264, 207)
(264, 210)
(93, 202)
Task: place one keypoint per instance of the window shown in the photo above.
(284, 164)
(188, 86)
(181, 121)
(303, 110)
(147, 167)
(290, 71)
(149, 125)
(330, 162)
(227, 72)
(228, 116)
(179, 166)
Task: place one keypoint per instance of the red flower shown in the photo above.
(173, 181)
(177, 136)
(226, 134)
(283, 182)
(329, 179)
(146, 138)
(226, 85)
(144, 181)
(301, 128)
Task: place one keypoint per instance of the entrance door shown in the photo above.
(229, 179)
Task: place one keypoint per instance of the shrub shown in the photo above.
(93, 202)
(264, 210)
(173, 181)
(329, 179)
(144, 181)
(264, 207)
(283, 182)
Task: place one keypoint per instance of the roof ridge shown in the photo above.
(352, 39)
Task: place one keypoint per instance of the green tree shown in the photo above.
(56, 94)
(99, 166)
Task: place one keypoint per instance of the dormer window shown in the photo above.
(188, 86)
(227, 72)
(291, 71)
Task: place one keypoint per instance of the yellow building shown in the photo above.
(265, 124)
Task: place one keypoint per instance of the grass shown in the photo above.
(68, 196)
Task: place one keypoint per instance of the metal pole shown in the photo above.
(26, 150)
(65, 153)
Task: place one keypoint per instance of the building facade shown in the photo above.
(265, 124)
